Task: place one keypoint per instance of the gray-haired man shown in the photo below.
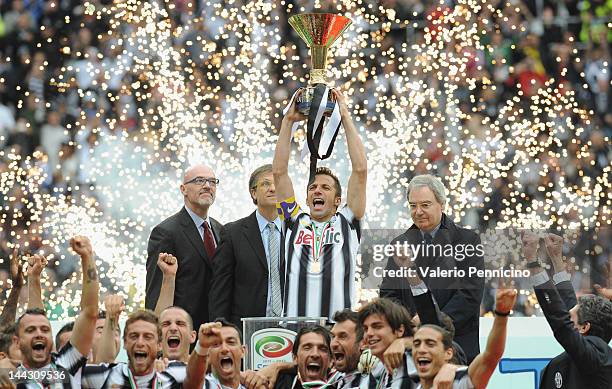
(441, 245)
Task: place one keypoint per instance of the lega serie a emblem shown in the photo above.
(558, 380)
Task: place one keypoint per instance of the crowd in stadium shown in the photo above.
(53, 105)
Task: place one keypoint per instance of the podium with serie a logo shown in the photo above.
(270, 339)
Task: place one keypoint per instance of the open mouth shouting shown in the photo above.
(140, 357)
(318, 203)
(173, 342)
(39, 349)
(226, 364)
(423, 363)
(313, 369)
(339, 356)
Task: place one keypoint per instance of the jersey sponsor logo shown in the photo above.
(330, 236)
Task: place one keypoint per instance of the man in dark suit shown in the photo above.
(192, 237)
(583, 331)
(249, 272)
(436, 235)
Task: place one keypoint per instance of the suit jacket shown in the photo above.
(240, 277)
(458, 298)
(587, 360)
(179, 236)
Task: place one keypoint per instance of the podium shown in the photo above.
(270, 339)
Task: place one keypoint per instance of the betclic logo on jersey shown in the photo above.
(329, 236)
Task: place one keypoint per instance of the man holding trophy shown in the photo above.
(320, 245)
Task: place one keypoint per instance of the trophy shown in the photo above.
(319, 31)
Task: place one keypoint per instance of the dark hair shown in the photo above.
(189, 319)
(5, 342)
(447, 336)
(65, 328)
(596, 311)
(31, 311)
(447, 324)
(225, 323)
(317, 329)
(144, 315)
(255, 177)
(325, 171)
(395, 314)
(347, 314)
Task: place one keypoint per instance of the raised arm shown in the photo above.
(108, 349)
(554, 248)
(356, 194)
(9, 312)
(36, 264)
(483, 366)
(280, 163)
(168, 265)
(208, 336)
(85, 324)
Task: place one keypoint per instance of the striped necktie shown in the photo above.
(274, 271)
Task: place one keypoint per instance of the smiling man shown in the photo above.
(142, 342)
(433, 349)
(313, 356)
(191, 236)
(321, 246)
(347, 335)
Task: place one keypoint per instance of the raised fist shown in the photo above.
(36, 264)
(168, 264)
(82, 246)
(210, 335)
(504, 300)
(554, 246)
(16, 269)
(114, 305)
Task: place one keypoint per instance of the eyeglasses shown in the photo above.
(201, 181)
(264, 184)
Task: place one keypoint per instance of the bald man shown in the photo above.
(192, 236)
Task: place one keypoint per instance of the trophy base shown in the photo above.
(305, 100)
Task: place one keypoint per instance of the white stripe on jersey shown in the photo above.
(321, 292)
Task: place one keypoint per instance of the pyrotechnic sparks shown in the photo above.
(212, 89)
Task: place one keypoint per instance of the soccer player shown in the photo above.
(320, 245)
(312, 354)
(219, 347)
(432, 348)
(34, 338)
(142, 342)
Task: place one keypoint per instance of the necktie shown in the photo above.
(274, 253)
(428, 238)
(209, 241)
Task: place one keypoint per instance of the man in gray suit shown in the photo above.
(192, 237)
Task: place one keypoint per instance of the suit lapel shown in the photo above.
(192, 233)
(253, 236)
